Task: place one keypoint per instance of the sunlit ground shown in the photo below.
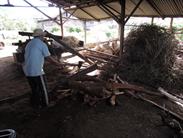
(7, 51)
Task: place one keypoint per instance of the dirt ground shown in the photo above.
(70, 117)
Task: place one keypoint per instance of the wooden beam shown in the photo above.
(61, 22)
(107, 11)
(42, 12)
(85, 36)
(152, 20)
(161, 107)
(170, 96)
(112, 9)
(139, 7)
(89, 14)
(8, 1)
(67, 47)
(177, 7)
(171, 25)
(155, 8)
(69, 16)
(29, 34)
(122, 24)
(133, 11)
(84, 71)
(86, 4)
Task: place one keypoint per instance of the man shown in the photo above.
(35, 53)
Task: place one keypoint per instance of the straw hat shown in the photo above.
(38, 32)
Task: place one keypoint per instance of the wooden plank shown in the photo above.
(161, 107)
(84, 72)
(171, 97)
(67, 47)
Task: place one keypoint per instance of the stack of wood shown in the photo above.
(96, 88)
(98, 56)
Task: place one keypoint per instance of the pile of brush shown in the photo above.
(148, 56)
(72, 41)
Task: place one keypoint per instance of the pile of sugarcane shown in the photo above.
(148, 56)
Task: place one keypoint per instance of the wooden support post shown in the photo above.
(122, 24)
(41, 12)
(152, 20)
(171, 25)
(61, 23)
(8, 1)
(85, 31)
(138, 4)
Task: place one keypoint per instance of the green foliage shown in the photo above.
(55, 29)
(71, 29)
(176, 29)
(78, 30)
(11, 24)
(108, 34)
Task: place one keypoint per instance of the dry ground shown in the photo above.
(70, 117)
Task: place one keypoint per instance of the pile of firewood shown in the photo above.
(144, 68)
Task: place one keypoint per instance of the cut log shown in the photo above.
(115, 86)
(90, 88)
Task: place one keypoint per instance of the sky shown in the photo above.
(28, 12)
(23, 3)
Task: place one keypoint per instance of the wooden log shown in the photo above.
(171, 97)
(161, 107)
(69, 64)
(89, 78)
(13, 98)
(115, 86)
(96, 59)
(69, 56)
(84, 72)
(91, 88)
(100, 56)
(101, 53)
(67, 47)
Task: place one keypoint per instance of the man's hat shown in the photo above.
(38, 32)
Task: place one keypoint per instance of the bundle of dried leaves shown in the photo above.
(149, 56)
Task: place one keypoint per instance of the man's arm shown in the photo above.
(54, 61)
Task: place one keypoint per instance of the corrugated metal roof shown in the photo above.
(92, 10)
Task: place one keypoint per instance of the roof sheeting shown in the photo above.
(92, 10)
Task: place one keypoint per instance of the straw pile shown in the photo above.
(148, 56)
(71, 41)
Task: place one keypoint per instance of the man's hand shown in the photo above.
(54, 61)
